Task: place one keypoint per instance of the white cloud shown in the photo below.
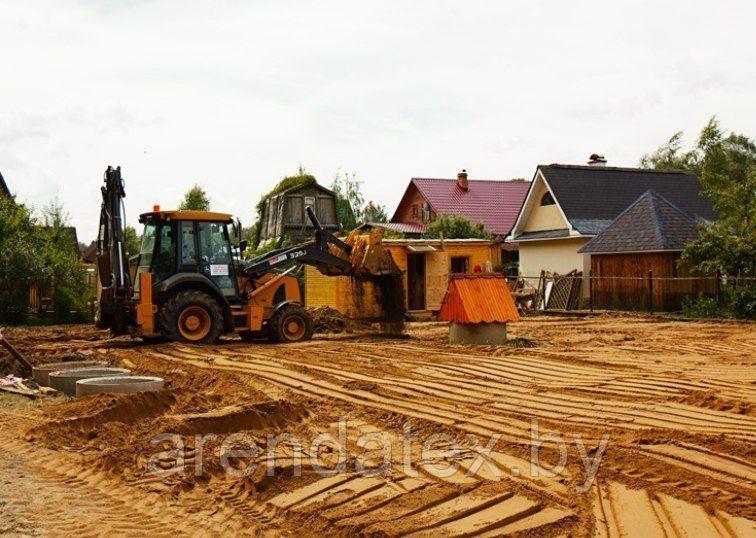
(237, 94)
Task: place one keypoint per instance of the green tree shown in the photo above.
(20, 264)
(454, 226)
(64, 273)
(373, 212)
(196, 199)
(726, 166)
(131, 241)
(349, 200)
(351, 208)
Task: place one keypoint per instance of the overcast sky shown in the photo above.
(235, 95)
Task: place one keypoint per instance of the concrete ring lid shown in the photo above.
(41, 373)
(117, 385)
(65, 380)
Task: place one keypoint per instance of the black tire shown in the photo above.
(280, 324)
(176, 313)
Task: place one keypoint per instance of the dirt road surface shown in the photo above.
(606, 426)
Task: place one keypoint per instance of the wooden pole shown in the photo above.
(25, 364)
(651, 291)
(719, 290)
(590, 290)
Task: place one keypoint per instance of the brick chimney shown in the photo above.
(462, 180)
(596, 160)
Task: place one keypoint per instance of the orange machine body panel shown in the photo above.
(145, 309)
(261, 303)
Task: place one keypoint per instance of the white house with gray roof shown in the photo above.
(568, 205)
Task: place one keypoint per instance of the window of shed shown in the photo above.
(460, 264)
(547, 199)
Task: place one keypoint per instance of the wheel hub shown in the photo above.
(194, 323)
(294, 327)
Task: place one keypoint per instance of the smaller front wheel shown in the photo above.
(291, 323)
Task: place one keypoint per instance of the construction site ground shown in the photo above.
(601, 426)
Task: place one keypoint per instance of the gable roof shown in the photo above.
(478, 298)
(651, 223)
(495, 203)
(4, 187)
(295, 188)
(592, 196)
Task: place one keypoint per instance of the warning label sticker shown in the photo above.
(219, 270)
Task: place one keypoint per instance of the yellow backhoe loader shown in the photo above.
(188, 282)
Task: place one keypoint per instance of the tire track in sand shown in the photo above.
(620, 511)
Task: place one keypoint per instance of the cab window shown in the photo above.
(164, 260)
(148, 246)
(188, 244)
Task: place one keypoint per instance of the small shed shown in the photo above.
(478, 306)
(644, 242)
(284, 214)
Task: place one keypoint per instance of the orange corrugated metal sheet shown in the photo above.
(478, 298)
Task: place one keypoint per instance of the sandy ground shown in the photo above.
(606, 426)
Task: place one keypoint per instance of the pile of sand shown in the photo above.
(330, 320)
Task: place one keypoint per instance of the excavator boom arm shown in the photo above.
(112, 264)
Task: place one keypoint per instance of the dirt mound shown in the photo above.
(87, 415)
(237, 418)
(330, 320)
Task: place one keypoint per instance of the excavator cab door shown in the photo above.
(158, 252)
(215, 256)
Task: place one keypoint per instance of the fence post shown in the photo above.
(590, 290)
(651, 291)
(719, 291)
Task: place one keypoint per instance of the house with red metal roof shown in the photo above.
(494, 202)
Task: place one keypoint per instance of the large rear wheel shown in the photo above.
(191, 316)
(291, 323)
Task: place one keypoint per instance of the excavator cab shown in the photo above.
(176, 242)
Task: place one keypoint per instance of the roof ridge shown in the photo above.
(657, 223)
(489, 180)
(670, 204)
(621, 168)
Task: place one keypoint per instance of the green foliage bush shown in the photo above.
(700, 306)
(20, 267)
(455, 226)
(44, 254)
(737, 301)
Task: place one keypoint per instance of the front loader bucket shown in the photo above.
(370, 258)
